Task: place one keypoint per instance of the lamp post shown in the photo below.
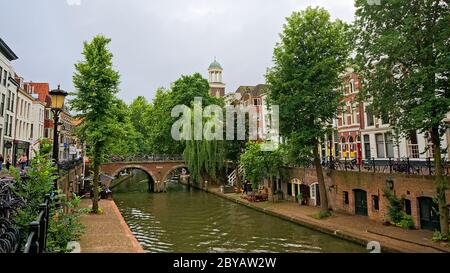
(330, 127)
(58, 97)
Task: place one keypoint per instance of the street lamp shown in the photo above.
(330, 137)
(58, 97)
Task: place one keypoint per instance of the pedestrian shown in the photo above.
(23, 161)
(245, 186)
(1, 161)
(8, 162)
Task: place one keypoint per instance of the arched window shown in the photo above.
(350, 142)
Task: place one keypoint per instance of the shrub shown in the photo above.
(322, 214)
(439, 237)
(406, 222)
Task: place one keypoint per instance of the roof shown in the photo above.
(215, 65)
(254, 91)
(5, 50)
(40, 88)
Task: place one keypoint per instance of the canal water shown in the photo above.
(189, 220)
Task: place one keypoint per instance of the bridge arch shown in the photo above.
(169, 171)
(151, 177)
(133, 166)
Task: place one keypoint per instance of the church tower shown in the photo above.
(216, 85)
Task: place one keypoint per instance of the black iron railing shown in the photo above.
(9, 203)
(69, 164)
(37, 236)
(145, 158)
(9, 236)
(389, 165)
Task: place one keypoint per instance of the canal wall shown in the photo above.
(342, 185)
(351, 228)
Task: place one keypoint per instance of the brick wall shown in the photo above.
(337, 182)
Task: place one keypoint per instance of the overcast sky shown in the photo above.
(154, 42)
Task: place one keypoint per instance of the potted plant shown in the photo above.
(300, 198)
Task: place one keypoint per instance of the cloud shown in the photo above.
(73, 2)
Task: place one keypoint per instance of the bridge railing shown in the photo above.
(149, 158)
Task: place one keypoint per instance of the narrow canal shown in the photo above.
(190, 220)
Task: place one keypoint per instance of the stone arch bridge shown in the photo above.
(158, 170)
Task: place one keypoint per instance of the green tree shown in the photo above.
(182, 92)
(404, 58)
(96, 83)
(259, 164)
(139, 116)
(160, 123)
(313, 51)
(127, 139)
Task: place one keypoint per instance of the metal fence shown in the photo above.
(37, 236)
(145, 158)
(389, 165)
(9, 203)
(10, 235)
(69, 164)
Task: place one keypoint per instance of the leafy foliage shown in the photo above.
(96, 84)
(64, 226)
(308, 61)
(396, 214)
(259, 165)
(403, 56)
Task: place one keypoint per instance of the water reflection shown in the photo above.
(188, 220)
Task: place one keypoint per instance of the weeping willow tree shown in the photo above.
(205, 159)
(205, 150)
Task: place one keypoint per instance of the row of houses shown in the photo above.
(357, 135)
(25, 114)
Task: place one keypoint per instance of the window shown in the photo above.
(12, 103)
(10, 125)
(1, 73)
(6, 124)
(352, 86)
(2, 106)
(256, 102)
(367, 146)
(31, 131)
(370, 119)
(375, 202)
(380, 145)
(8, 100)
(5, 77)
(407, 206)
(389, 145)
(346, 199)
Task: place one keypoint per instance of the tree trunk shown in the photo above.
(320, 178)
(96, 166)
(441, 182)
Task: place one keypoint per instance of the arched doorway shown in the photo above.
(360, 202)
(132, 178)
